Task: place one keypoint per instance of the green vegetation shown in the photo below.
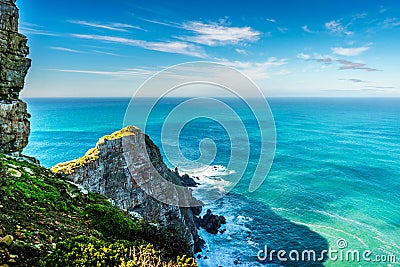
(111, 222)
(46, 221)
(90, 251)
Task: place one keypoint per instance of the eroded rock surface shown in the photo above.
(14, 66)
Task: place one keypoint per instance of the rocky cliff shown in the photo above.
(117, 167)
(14, 66)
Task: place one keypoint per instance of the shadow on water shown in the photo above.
(266, 228)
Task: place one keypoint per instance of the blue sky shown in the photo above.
(289, 48)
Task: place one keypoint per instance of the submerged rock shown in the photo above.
(120, 166)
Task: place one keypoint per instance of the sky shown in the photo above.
(287, 47)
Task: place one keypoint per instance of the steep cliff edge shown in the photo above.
(14, 66)
(47, 221)
(113, 169)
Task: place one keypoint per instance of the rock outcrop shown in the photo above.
(116, 167)
(211, 223)
(14, 66)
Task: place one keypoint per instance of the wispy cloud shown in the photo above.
(126, 73)
(354, 80)
(163, 23)
(379, 87)
(34, 29)
(350, 52)
(326, 59)
(303, 56)
(271, 20)
(336, 27)
(306, 29)
(241, 51)
(169, 47)
(358, 16)
(120, 27)
(65, 49)
(282, 29)
(215, 34)
(382, 9)
(349, 65)
(323, 59)
(106, 53)
(258, 70)
(390, 23)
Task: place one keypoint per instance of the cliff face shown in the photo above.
(14, 66)
(113, 169)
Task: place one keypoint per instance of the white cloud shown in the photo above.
(390, 23)
(303, 56)
(335, 26)
(106, 53)
(241, 51)
(169, 47)
(64, 49)
(306, 29)
(350, 52)
(282, 30)
(271, 20)
(214, 34)
(354, 80)
(349, 65)
(126, 73)
(120, 27)
(325, 59)
(257, 70)
(33, 31)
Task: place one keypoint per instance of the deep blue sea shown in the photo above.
(334, 182)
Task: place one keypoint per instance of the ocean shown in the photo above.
(334, 183)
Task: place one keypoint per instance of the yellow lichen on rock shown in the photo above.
(127, 131)
(93, 153)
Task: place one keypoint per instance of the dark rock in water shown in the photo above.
(14, 65)
(197, 210)
(211, 223)
(188, 181)
(120, 167)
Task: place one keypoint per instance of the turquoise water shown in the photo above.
(336, 172)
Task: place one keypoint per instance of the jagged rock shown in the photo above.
(14, 125)
(14, 66)
(211, 223)
(116, 167)
(188, 181)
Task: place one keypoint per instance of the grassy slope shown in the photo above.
(53, 224)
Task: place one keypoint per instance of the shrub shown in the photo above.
(112, 222)
(168, 241)
(89, 251)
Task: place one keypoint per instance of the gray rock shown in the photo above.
(14, 66)
(116, 167)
